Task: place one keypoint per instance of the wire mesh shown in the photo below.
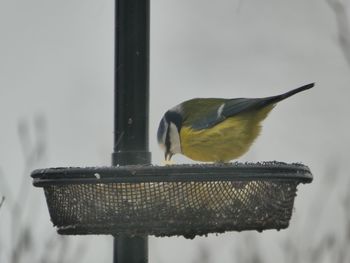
(237, 198)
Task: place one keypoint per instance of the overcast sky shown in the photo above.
(56, 62)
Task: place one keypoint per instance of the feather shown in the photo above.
(209, 115)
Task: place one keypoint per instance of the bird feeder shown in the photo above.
(185, 200)
(133, 199)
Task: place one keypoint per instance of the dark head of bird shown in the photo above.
(169, 133)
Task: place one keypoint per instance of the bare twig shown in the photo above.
(252, 254)
(5, 188)
(343, 26)
(315, 249)
(321, 199)
(18, 200)
(203, 254)
(2, 201)
(343, 251)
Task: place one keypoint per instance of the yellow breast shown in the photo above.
(225, 141)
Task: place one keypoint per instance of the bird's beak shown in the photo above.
(168, 156)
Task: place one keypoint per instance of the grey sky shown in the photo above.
(56, 61)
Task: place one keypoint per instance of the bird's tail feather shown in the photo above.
(294, 91)
(278, 98)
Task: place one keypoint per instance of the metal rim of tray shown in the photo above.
(172, 173)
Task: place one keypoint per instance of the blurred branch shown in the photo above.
(2, 201)
(315, 249)
(4, 187)
(19, 199)
(203, 254)
(343, 252)
(34, 151)
(342, 19)
(322, 248)
(248, 251)
(323, 195)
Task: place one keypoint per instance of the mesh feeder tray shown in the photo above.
(186, 200)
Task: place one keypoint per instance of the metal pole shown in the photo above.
(131, 105)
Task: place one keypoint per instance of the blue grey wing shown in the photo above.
(227, 109)
(237, 106)
(211, 118)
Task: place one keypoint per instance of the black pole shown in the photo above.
(131, 106)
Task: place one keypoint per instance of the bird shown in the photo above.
(215, 129)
